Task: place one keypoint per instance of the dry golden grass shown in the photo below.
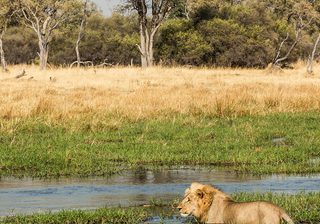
(136, 93)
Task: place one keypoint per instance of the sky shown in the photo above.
(107, 5)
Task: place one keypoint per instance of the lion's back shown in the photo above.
(251, 212)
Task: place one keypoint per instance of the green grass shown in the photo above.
(42, 148)
(112, 215)
(303, 208)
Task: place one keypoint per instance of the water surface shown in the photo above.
(25, 196)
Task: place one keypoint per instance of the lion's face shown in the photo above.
(197, 201)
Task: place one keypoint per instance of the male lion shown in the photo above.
(210, 205)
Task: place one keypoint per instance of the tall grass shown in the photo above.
(134, 93)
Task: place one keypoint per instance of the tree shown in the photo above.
(181, 9)
(44, 17)
(6, 12)
(239, 33)
(316, 5)
(301, 14)
(20, 45)
(179, 43)
(106, 41)
(311, 57)
(88, 8)
(149, 26)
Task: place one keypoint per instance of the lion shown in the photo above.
(210, 205)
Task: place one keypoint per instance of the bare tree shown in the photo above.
(299, 27)
(149, 25)
(187, 9)
(2, 56)
(44, 17)
(6, 12)
(87, 10)
(301, 14)
(311, 58)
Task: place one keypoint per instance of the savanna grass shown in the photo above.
(303, 208)
(135, 94)
(277, 143)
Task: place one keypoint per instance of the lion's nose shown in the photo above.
(179, 207)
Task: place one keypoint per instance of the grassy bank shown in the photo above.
(82, 122)
(303, 208)
(281, 143)
(117, 215)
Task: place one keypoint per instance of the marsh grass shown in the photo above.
(111, 215)
(303, 208)
(134, 93)
(36, 147)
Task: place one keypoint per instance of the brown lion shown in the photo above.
(210, 205)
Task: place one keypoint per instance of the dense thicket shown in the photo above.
(213, 33)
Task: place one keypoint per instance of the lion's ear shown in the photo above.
(209, 193)
(200, 193)
(208, 190)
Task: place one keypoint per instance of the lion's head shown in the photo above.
(197, 201)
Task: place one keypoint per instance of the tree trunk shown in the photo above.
(298, 31)
(187, 10)
(150, 49)
(143, 46)
(277, 60)
(279, 49)
(44, 49)
(2, 57)
(146, 47)
(159, 11)
(78, 54)
(80, 35)
(310, 61)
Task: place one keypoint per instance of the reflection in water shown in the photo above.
(134, 188)
(171, 220)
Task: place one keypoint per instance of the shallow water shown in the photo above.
(27, 196)
(170, 220)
